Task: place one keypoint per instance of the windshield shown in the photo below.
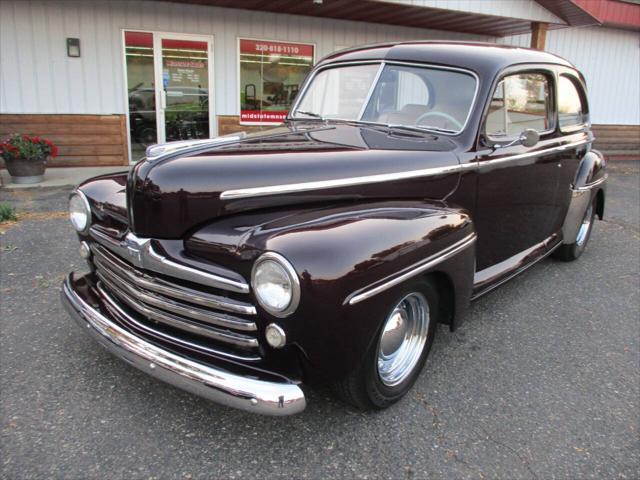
(421, 97)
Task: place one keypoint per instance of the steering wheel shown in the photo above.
(446, 116)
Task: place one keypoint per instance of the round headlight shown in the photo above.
(79, 211)
(275, 284)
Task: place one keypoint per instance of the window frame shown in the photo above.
(552, 105)
(583, 101)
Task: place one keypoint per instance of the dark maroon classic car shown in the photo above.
(407, 180)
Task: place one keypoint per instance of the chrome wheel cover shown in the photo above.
(403, 339)
(583, 232)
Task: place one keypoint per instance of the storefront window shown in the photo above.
(185, 77)
(271, 73)
(141, 91)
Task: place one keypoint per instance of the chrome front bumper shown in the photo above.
(236, 391)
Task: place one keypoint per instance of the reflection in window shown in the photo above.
(570, 109)
(185, 76)
(271, 74)
(141, 90)
(519, 102)
(437, 99)
(338, 92)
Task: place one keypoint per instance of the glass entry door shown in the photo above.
(168, 88)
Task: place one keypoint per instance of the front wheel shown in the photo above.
(572, 251)
(399, 351)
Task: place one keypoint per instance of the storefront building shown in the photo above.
(106, 79)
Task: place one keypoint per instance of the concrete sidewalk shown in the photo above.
(60, 177)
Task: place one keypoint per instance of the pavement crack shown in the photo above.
(515, 452)
(450, 450)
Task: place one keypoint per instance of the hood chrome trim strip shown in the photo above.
(338, 182)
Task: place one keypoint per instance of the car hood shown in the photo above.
(291, 165)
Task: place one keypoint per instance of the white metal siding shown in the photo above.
(36, 76)
(610, 61)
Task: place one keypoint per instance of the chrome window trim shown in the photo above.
(372, 89)
(383, 63)
(383, 177)
(413, 270)
(141, 253)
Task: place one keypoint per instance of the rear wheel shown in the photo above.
(572, 251)
(399, 351)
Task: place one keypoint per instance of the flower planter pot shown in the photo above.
(26, 171)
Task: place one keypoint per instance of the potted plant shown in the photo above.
(26, 157)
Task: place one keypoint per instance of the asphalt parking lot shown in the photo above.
(542, 381)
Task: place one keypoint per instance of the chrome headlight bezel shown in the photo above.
(87, 211)
(294, 283)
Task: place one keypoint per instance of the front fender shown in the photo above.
(342, 251)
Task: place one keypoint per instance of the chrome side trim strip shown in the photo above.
(339, 182)
(215, 384)
(414, 270)
(141, 253)
(589, 186)
(384, 177)
(520, 156)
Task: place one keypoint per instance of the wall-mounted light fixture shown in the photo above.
(73, 47)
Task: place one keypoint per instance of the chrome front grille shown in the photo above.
(210, 320)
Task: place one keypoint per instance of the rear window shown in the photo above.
(571, 110)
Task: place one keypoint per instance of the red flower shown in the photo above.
(36, 139)
(54, 151)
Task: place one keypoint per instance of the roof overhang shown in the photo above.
(390, 12)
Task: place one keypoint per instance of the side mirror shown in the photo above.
(529, 137)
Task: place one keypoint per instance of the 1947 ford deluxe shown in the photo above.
(407, 180)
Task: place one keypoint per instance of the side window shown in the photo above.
(571, 111)
(519, 102)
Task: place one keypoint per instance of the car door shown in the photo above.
(517, 185)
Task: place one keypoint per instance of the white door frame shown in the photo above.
(158, 80)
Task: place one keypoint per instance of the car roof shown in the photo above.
(482, 58)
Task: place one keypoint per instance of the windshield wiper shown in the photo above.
(419, 128)
(310, 114)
